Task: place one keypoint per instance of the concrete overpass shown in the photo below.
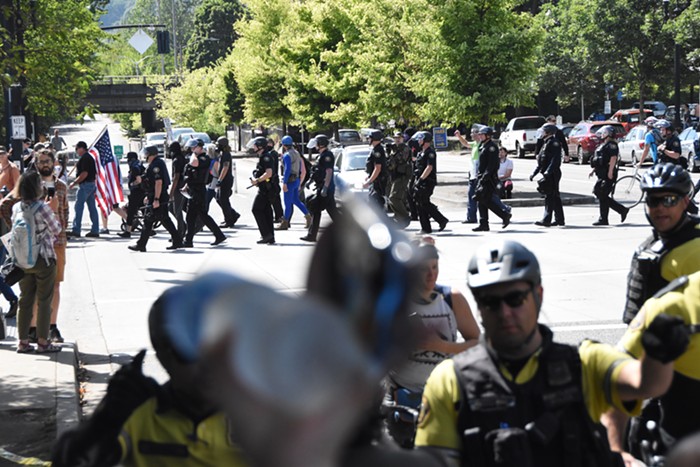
(129, 94)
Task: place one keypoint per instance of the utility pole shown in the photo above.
(175, 62)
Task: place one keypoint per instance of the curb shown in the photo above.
(522, 202)
(68, 413)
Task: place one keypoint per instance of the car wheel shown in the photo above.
(579, 156)
(634, 158)
(519, 151)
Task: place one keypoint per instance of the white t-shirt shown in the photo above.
(504, 167)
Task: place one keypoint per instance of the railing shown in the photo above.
(138, 79)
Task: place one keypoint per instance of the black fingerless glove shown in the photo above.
(666, 338)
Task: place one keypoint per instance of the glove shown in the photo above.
(666, 338)
(324, 191)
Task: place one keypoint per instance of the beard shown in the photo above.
(46, 171)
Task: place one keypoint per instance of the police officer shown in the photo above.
(413, 145)
(520, 399)
(322, 177)
(262, 204)
(670, 150)
(425, 175)
(376, 168)
(673, 249)
(136, 191)
(487, 181)
(604, 163)
(549, 164)
(399, 168)
(225, 183)
(275, 188)
(177, 199)
(196, 173)
(157, 182)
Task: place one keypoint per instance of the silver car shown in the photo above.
(350, 169)
(632, 146)
(688, 137)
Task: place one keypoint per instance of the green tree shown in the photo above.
(213, 32)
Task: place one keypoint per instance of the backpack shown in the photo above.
(657, 137)
(24, 237)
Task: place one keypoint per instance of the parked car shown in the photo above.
(184, 137)
(176, 132)
(658, 107)
(156, 139)
(629, 118)
(348, 137)
(520, 135)
(566, 128)
(632, 146)
(689, 119)
(583, 141)
(689, 145)
(350, 169)
(364, 133)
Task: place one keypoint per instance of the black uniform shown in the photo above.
(673, 144)
(226, 190)
(423, 190)
(549, 164)
(603, 187)
(399, 167)
(178, 202)
(275, 189)
(157, 170)
(262, 204)
(559, 135)
(377, 157)
(321, 199)
(487, 182)
(136, 190)
(196, 179)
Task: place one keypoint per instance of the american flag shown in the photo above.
(108, 179)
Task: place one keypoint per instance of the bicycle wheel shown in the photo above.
(627, 191)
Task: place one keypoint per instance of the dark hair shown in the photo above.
(30, 186)
(48, 152)
(81, 144)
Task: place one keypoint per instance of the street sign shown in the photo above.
(620, 95)
(608, 108)
(141, 41)
(19, 127)
(118, 151)
(440, 137)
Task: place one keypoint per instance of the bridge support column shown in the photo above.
(149, 122)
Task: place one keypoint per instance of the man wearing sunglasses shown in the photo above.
(520, 399)
(673, 249)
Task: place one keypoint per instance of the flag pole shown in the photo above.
(99, 135)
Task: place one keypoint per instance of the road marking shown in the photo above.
(7, 455)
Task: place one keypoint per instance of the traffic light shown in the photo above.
(163, 40)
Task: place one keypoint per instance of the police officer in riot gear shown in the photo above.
(399, 168)
(604, 163)
(670, 150)
(157, 181)
(322, 177)
(425, 175)
(487, 181)
(196, 173)
(225, 183)
(136, 191)
(549, 165)
(673, 249)
(275, 190)
(177, 199)
(376, 168)
(520, 399)
(262, 178)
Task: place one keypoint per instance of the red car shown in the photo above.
(583, 141)
(630, 117)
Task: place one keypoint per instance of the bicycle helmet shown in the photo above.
(650, 121)
(287, 141)
(500, 262)
(606, 131)
(486, 130)
(663, 124)
(667, 177)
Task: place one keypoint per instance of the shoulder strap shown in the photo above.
(446, 292)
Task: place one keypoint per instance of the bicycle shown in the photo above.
(627, 190)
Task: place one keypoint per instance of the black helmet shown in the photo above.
(222, 142)
(318, 141)
(667, 177)
(131, 155)
(150, 151)
(425, 136)
(606, 131)
(486, 130)
(501, 262)
(376, 135)
(663, 124)
(260, 142)
(549, 128)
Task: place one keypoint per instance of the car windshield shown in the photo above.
(354, 160)
(155, 138)
(528, 123)
(349, 136)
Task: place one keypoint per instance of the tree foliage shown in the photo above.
(213, 32)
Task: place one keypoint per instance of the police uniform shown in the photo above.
(603, 187)
(549, 164)
(262, 204)
(377, 158)
(196, 179)
(159, 434)
(157, 170)
(659, 260)
(423, 190)
(680, 405)
(226, 190)
(275, 188)
(399, 167)
(136, 190)
(545, 414)
(487, 182)
(317, 203)
(673, 144)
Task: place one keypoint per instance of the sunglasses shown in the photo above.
(513, 299)
(668, 201)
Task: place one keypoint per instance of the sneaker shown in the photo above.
(104, 231)
(12, 311)
(32, 335)
(124, 234)
(543, 223)
(218, 241)
(92, 235)
(55, 335)
(481, 228)
(308, 238)
(600, 222)
(71, 234)
(47, 348)
(25, 347)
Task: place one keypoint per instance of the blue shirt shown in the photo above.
(650, 139)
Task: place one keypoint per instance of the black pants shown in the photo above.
(317, 204)
(552, 202)
(262, 211)
(197, 210)
(276, 200)
(411, 199)
(376, 191)
(486, 204)
(224, 200)
(426, 209)
(176, 208)
(602, 190)
(158, 214)
(136, 196)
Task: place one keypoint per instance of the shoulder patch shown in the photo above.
(156, 170)
(431, 155)
(613, 144)
(492, 148)
(424, 412)
(266, 158)
(555, 142)
(328, 158)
